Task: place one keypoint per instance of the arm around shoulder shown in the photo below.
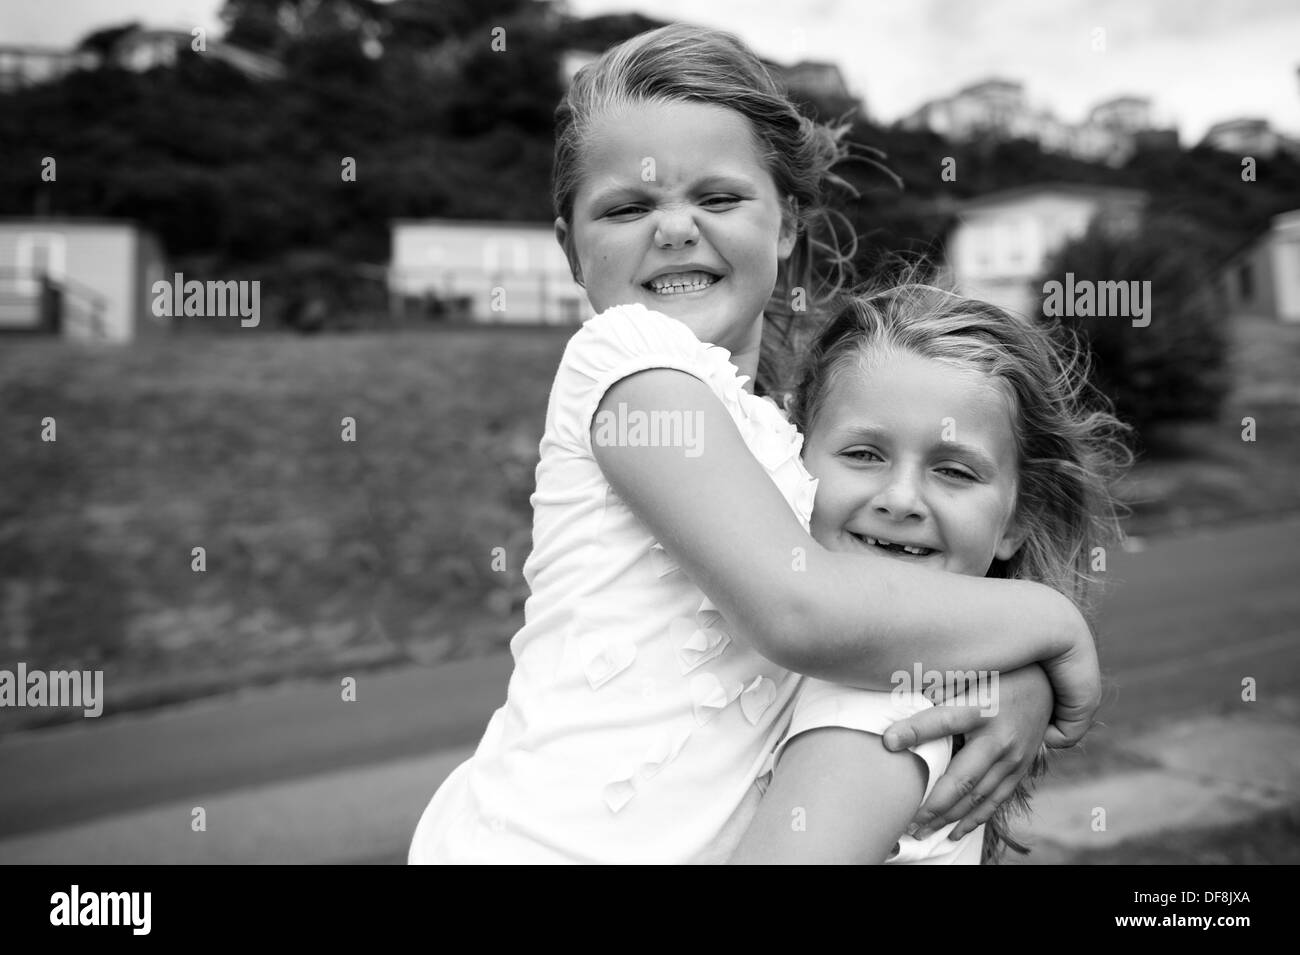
(850, 618)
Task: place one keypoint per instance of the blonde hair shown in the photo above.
(1070, 448)
(681, 63)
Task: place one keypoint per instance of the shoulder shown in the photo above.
(620, 342)
(630, 333)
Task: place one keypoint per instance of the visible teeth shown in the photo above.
(682, 282)
(907, 548)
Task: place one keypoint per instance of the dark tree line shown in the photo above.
(240, 170)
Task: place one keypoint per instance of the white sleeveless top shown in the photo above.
(636, 720)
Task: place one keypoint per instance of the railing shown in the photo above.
(34, 301)
(20, 302)
(471, 294)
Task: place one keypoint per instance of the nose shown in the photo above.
(676, 229)
(900, 498)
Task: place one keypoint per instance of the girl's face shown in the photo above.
(671, 191)
(912, 452)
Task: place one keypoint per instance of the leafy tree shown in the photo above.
(1174, 368)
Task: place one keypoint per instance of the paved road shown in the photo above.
(294, 773)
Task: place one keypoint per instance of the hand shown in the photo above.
(999, 750)
(1076, 680)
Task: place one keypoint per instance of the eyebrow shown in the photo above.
(618, 192)
(978, 456)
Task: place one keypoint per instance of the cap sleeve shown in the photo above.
(820, 704)
(618, 342)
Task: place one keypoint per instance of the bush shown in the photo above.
(1175, 367)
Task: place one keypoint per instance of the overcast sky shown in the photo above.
(1200, 61)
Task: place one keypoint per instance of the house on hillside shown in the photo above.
(490, 272)
(1263, 277)
(88, 279)
(1114, 130)
(1110, 133)
(1243, 137)
(1132, 114)
(23, 65)
(136, 48)
(144, 49)
(994, 107)
(1003, 240)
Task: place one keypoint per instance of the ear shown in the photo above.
(564, 236)
(789, 229)
(1012, 539)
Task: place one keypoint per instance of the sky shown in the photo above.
(1200, 61)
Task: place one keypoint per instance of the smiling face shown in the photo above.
(915, 452)
(701, 241)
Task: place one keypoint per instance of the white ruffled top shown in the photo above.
(636, 719)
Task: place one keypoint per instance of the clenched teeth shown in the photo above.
(681, 282)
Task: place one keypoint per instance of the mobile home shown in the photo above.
(78, 278)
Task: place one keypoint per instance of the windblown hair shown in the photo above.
(1070, 447)
(681, 63)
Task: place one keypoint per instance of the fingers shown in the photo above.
(985, 810)
(931, 723)
(981, 799)
(1076, 681)
(968, 770)
(1064, 733)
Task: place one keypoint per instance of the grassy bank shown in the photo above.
(320, 553)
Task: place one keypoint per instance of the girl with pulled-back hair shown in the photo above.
(677, 597)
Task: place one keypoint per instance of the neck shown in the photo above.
(745, 355)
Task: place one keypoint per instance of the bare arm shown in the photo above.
(838, 797)
(853, 619)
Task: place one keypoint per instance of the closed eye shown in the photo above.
(711, 202)
(959, 474)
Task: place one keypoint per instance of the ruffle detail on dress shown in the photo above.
(756, 698)
(697, 645)
(602, 659)
(709, 696)
(619, 792)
